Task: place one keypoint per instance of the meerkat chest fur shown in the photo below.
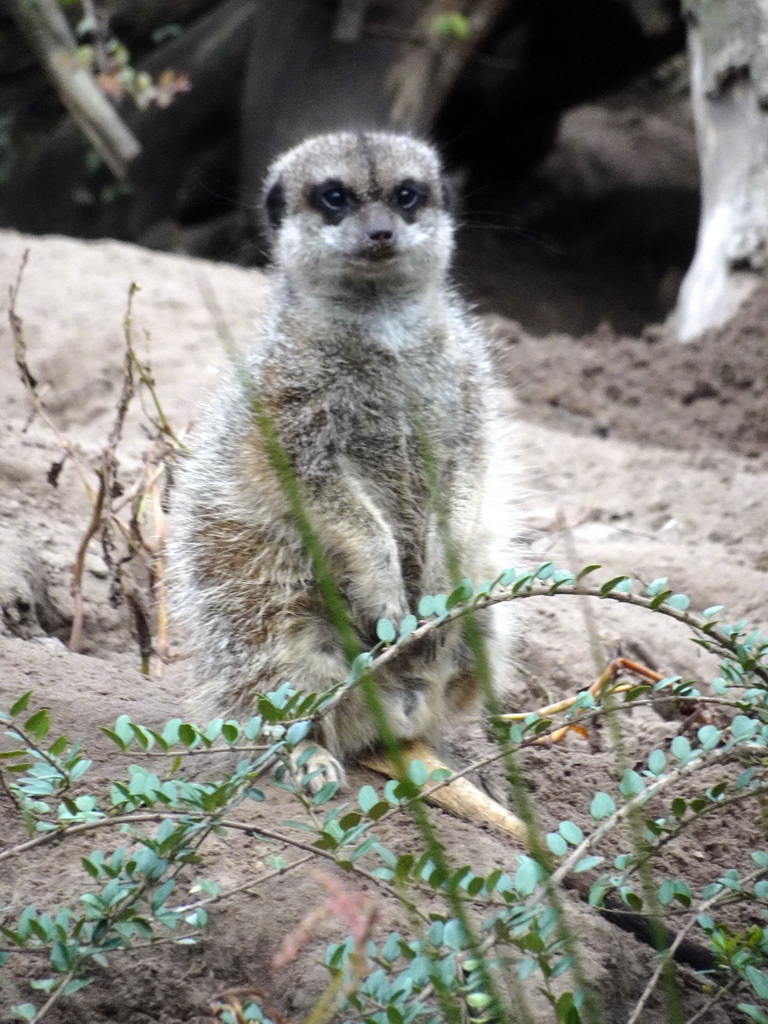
(383, 398)
(373, 381)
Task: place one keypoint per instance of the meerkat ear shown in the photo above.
(274, 204)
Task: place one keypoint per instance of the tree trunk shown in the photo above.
(729, 89)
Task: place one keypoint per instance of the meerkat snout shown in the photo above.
(379, 231)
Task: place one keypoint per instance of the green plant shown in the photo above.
(453, 962)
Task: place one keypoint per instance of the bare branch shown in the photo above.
(49, 35)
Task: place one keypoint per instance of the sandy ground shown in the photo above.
(651, 455)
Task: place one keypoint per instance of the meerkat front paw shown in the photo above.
(312, 766)
(389, 603)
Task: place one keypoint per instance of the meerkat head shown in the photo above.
(359, 213)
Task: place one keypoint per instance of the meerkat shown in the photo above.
(376, 383)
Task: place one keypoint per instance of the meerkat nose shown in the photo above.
(379, 224)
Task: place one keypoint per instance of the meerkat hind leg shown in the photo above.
(460, 796)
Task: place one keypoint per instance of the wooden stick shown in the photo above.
(460, 796)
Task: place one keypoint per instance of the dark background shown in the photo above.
(568, 133)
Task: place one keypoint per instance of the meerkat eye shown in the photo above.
(333, 200)
(333, 196)
(409, 196)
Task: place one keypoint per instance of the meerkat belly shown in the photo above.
(389, 468)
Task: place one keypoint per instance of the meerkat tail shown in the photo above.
(460, 797)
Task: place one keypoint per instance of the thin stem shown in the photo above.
(54, 997)
(703, 1013)
(666, 957)
(609, 823)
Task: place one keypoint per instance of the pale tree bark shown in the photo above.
(49, 35)
(728, 49)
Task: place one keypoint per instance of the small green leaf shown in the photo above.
(297, 731)
(114, 737)
(656, 586)
(367, 798)
(754, 1013)
(602, 806)
(712, 610)
(681, 749)
(587, 863)
(21, 704)
(76, 984)
(59, 956)
(743, 728)
(385, 631)
(363, 848)
(679, 602)
(390, 951)
(526, 968)
(570, 832)
(657, 762)
(252, 728)
(188, 734)
(631, 898)
(24, 1010)
(379, 810)
(327, 792)
(39, 723)
(58, 746)
(587, 570)
(621, 583)
(452, 24)
(408, 625)
(709, 736)
(459, 595)
(666, 892)
(758, 980)
(631, 784)
(454, 935)
(231, 732)
(478, 1000)
(42, 984)
(744, 778)
(557, 844)
(597, 892)
(679, 806)
(393, 1015)
(123, 729)
(527, 875)
(417, 772)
